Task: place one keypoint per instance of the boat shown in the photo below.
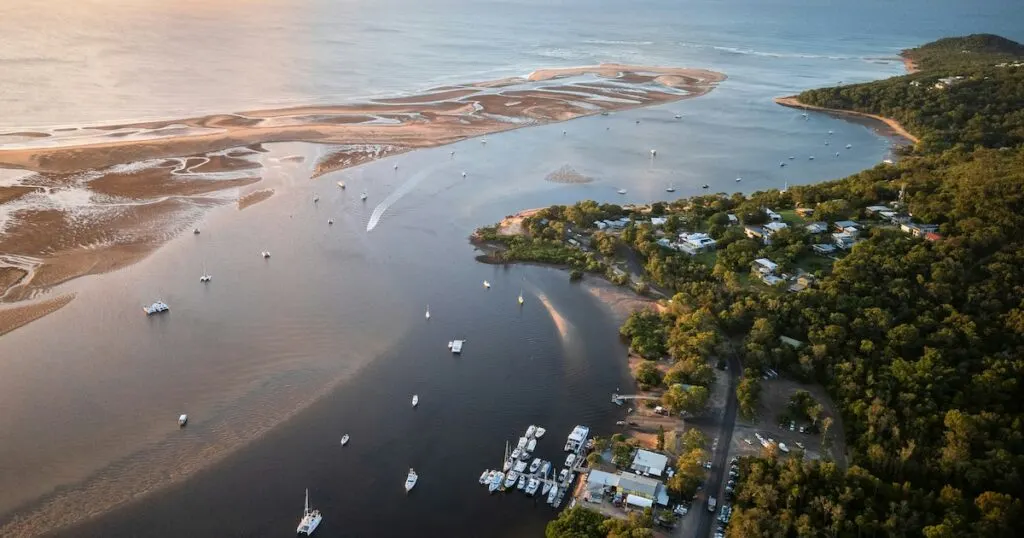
(156, 308)
(195, 231)
(520, 466)
(570, 446)
(654, 153)
(483, 141)
(410, 480)
(344, 439)
(395, 167)
(546, 487)
(540, 432)
(463, 174)
(522, 443)
(848, 146)
(704, 186)
(522, 482)
(622, 191)
(487, 284)
(837, 154)
(415, 400)
(182, 420)
(791, 157)
(496, 481)
(545, 469)
(516, 453)
(521, 300)
(427, 315)
(484, 476)
(507, 464)
(552, 495)
(530, 431)
(363, 196)
(524, 455)
(341, 184)
(830, 132)
(570, 460)
(782, 163)
(206, 276)
(531, 486)
(811, 158)
(605, 113)
(535, 465)
(826, 142)
(679, 116)
(563, 474)
(265, 253)
(316, 199)
(620, 423)
(739, 179)
(510, 479)
(532, 445)
(670, 188)
(330, 222)
(456, 346)
(310, 519)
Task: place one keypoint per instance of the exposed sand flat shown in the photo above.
(254, 198)
(9, 276)
(13, 317)
(793, 102)
(167, 166)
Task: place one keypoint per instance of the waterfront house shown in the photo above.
(649, 463)
(695, 243)
(918, 230)
(772, 216)
(816, 227)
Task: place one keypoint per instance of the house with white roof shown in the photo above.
(772, 216)
(649, 463)
(764, 266)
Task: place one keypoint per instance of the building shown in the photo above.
(946, 82)
(844, 240)
(641, 487)
(617, 224)
(932, 236)
(754, 232)
(773, 227)
(918, 230)
(816, 227)
(600, 224)
(802, 283)
(772, 216)
(733, 219)
(875, 209)
(665, 243)
(649, 463)
(764, 266)
(695, 243)
(848, 226)
(824, 249)
(658, 221)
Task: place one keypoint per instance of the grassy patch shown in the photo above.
(790, 216)
(707, 258)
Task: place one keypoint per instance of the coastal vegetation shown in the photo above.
(580, 522)
(918, 338)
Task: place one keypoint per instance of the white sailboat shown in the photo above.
(363, 196)
(670, 188)
(427, 315)
(206, 276)
(487, 284)
(415, 400)
(344, 439)
(521, 300)
(410, 480)
(310, 519)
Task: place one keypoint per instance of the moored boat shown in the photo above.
(563, 474)
(546, 487)
(540, 432)
(535, 465)
(531, 486)
(552, 495)
(522, 482)
(484, 476)
(532, 445)
(310, 519)
(344, 439)
(520, 466)
(410, 480)
(530, 431)
(415, 400)
(510, 479)
(496, 481)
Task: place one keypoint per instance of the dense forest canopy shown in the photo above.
(966, 51)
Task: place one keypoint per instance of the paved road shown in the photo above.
(718, 459)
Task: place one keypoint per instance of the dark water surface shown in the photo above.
(276, 359)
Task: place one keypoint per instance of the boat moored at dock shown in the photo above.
(531, 486)
(535, 465)
(539, 433)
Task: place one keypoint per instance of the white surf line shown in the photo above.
(401, 191)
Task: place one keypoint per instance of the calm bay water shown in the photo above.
(276, 359)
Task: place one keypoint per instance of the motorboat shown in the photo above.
(552, 495)
(487, 284)
(670, 188)
(520, 466)
(679, 116)
(510, 479)
(456, 346)
(195, 231)
(531, 486)
(522, 482)
(539, 433)
(705, 186)
(621, 191)
(605, 113)
(344, 439)
(826, 142)
(182, 420)
(310, 519)
(524, 455)
(508, 464)
(415, 400)
(516, 453)
(156, 308)
(483, 141)
(811, 158)
(837, 154)
(654, 153)
(484, 476)
(265, 253)
(496, 481)
(521, 299)
(410, 480)
(316, 199)
(570, 460)
(782, 164)
(570, 446)
(330, 222)
(341, 184)
(362, 196)
(545, 468)
(427, 315)
(546, 487)
(395, 167)
(563, 474)
(848, 146)
(530, 431)
(792, 157)
(620, 423)
(535, 465)
(522, 443)
(830, 132)
(532, 445)
(739, 179)
(463, 174)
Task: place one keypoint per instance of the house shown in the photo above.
(665, 243)
(754, 232)
(642, 487)
(649, 463)
(805, 212)
(875, 209)
(772, 216)
(600, 224)
(695, 243)
(599, 480)
(946, 82)
(764, 266)
(772, 227)
(848, 226)
(658, 221)
(733, 219)
(918, 230)
(617, 224)
(824, 249)
(771, 280)
(897, 218)
(816, 227)
(802, 283)
(791, 342)
(574, 242)
(844, 240)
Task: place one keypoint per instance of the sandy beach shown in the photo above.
(793, 102)
(151, 180)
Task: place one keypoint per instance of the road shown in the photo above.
(713, 486)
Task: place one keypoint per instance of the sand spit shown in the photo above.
(793, 102)
(567, 174)
(254, 198)
(98, 198)
(15, 316)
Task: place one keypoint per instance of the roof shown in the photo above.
(846, 224)
(639, 501)
(791, 341)
(765, 262)
(639, 484)
(602, 479)
(877, 208)
(650, 462)
(776, 226)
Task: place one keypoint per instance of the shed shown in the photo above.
(639, 501)
(764, 265)
(599, 479)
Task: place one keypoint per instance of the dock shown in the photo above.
(577, 446)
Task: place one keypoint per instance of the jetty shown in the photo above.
(547, 476)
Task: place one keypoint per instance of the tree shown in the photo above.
(748, 394)
(661, 437)
(576, 522)
(680, 399)
(648, 375)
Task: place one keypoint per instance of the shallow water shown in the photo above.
(331, 327)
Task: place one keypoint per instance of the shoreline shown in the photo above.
(171, 171)
(793, 101)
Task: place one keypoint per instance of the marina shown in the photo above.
(539, 475)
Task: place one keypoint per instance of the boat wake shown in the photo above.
(402, 190)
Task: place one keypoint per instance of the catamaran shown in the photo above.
(310, 519)
(156, 308)
(410, 480)
(206, 276)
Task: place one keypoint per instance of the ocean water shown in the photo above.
(277, 358)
